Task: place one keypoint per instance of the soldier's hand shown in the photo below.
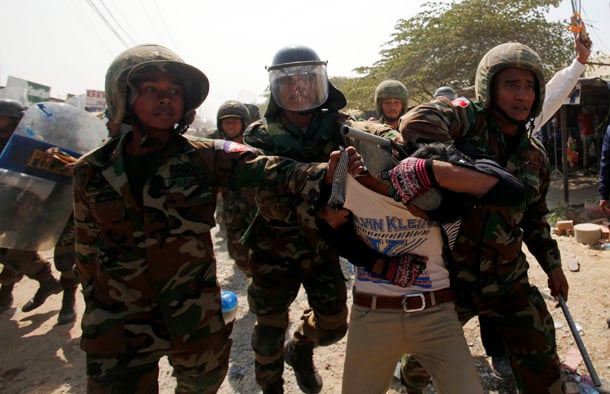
(558, 283)
(334, 217)
(56, 154)
(355, 167)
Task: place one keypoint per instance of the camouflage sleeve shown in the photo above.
(438, 120)
(283, 175)
(375, 128)
(238, 166)
(86, 233)
(536, 229)
(259, 133)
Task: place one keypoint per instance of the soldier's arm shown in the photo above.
(437, 120)
(310, 181)
(537, 237)
(86, 233)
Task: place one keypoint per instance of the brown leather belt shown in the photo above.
(411, 302)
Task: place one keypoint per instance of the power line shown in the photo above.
(117, 22)
(594, 32)
(106, 22)
(169, 32)
(154, 25)
(101, 38)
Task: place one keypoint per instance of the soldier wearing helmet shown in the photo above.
(490, 268)
(21, 262)
(143, 209)
(231, 121)
(236, 208)
(445, 91)
(391, 98)
(302, 121)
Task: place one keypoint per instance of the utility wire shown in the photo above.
(169, 32)
(101, 38)
(116, 21)
(595, 33)
(106, 22)
(152, 23)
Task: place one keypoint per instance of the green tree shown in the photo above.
(443, 43)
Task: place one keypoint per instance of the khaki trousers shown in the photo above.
(378, 338)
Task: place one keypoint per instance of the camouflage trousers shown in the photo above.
(238, 251)
(529, 336)
(200, 363)
(18, 263)
(274, 286)
(29, 262)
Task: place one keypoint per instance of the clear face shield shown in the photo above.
(299, 88)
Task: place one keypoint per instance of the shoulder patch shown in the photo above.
(232, 147)
(461, 102)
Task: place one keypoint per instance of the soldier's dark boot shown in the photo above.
(48, 285)
(299, 355)
(6, 297)
(67, 314)
(275, 388)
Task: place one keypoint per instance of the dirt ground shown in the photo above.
(39, 357)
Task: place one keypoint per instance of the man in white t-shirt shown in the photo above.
(402, 301)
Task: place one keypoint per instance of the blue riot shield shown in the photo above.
(35, 194)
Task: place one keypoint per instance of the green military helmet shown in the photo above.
(253, 111)
(391, 88)
(232, 109)
(509, 55)
(150, 58)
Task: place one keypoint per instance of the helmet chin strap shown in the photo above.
(147, 142)
(308, 112)
(10, 127)
(226, 137)
(387, 118)
(505, 116)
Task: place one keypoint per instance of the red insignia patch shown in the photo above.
(231, 147)
(461, 102)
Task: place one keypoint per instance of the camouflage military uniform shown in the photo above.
(388, 89)
(286, 254)
(17, 263)
(149, 272)
(490, 268)
(237, 209)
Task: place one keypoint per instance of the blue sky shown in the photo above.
(67, 45)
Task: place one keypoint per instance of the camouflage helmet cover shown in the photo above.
(11, 108)
(232, 109)
(150, 58)
(391, 88)
(503, 56)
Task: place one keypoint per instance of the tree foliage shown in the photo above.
(443, 43)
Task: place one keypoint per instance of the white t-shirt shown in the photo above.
(388, 227)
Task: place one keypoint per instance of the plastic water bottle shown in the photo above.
(228, 303)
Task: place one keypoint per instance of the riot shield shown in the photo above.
(36, 196)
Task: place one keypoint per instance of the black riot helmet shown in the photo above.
(11, 109)
(299, 82)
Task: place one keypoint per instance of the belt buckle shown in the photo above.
(407, 296)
